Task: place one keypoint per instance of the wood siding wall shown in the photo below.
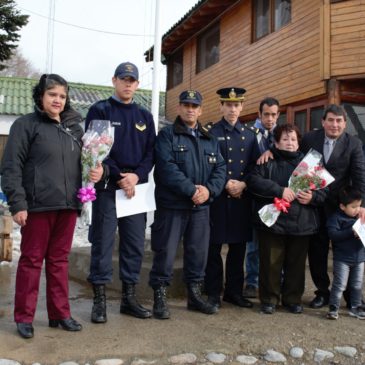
(348, 38)
(284, 64)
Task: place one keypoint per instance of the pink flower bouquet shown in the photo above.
(97, 143)
(308, 175)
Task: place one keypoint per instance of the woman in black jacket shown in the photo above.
(41, 174)
(284, 245)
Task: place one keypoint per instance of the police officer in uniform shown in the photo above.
(231, 211)
(189, 173)
(129, 162)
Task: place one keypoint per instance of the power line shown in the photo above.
(86, 28)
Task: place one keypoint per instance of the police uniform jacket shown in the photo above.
(231, 217)
(183, 161)
(134, 139)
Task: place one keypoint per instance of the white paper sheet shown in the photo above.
(360, 230)
(143, 200)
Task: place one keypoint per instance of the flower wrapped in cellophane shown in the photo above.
(308, 175)
(97, 143)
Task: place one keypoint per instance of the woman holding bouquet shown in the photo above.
(41, 175)
(284, 245)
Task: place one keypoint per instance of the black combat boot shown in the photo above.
(98, 312)
(196, 302)
(160, 308)
(129, 304)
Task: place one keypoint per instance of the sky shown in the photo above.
(87, 56)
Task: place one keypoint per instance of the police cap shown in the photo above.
(191, 97)
(126, 69)
(231, 94)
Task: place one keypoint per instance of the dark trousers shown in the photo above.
(46, 236)
(234, 269)
(278, 252)
(169, 226)
(318, 262)
(102, 237)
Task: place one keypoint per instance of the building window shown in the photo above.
(208, 48)
(175, 69)
(269, 16)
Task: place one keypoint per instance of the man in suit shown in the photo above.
(344, 159)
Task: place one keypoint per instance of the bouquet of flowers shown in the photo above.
(97, 143)
(308, 175)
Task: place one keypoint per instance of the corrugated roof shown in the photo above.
(16, 96)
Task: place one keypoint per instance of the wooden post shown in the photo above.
(6, 242)
(333, 91)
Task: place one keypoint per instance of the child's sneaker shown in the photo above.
(357, 313)
(333, 312)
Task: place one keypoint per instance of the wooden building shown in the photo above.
(305, 53)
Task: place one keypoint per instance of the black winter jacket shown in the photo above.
(41, 169)
(346, 247)
(183, 161)
(268, 181)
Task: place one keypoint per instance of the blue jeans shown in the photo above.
(252, 264)
(343, 273)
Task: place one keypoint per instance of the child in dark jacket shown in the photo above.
(348, 254)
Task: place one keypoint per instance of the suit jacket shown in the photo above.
(346, 163)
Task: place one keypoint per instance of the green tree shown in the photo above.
(11, 21)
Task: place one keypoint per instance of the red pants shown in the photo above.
(46, 236)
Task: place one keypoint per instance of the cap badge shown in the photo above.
(191, 94)
(232, 94)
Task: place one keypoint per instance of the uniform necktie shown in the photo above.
(327, 149)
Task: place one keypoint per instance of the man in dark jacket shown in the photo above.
(189, 173)
(344, 159)
(231, 211)
(128, 164)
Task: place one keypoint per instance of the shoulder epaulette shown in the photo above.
(209, 125)
(254, 130)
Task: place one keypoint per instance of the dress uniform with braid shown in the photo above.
(231, 216)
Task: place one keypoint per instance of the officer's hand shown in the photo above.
(266, 156)
(96, 173)
(127, 183)
(201, 195)
(235, 187)
(288, 194)
(129, 193)
(305, 197)
(21, 218)
(129, 180)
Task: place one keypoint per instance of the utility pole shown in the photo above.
(50, 36)
(156, 67)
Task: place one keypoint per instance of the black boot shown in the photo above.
(98, 312)
(160, 308)
(196, 302)
(129, 304)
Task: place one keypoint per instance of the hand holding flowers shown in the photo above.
(97, 143)
(308, 176)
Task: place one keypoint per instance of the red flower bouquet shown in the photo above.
(308, 175)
